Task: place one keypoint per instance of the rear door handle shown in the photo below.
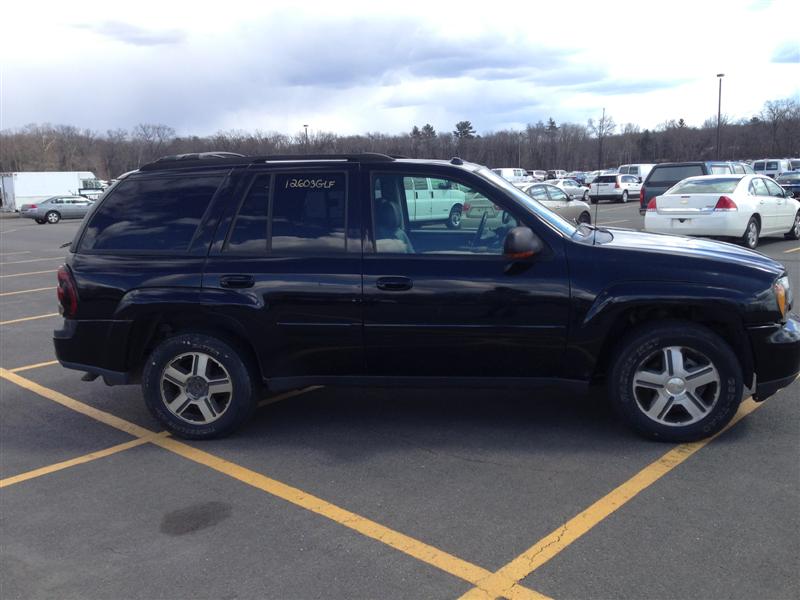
(394, 284)
(236, 281)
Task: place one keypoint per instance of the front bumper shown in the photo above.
(776, 351)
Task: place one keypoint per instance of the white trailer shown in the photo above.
(29, 187)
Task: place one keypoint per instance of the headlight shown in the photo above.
(783, 295)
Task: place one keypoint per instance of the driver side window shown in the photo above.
(442, 217)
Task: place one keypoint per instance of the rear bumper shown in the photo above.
(776, 352)
(721, 224)
(97, 347)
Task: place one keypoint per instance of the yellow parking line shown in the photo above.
(287, 395)
(792, 250)
(78, 461)
(12, 321)
(85, 409)
(29, 273)
(33, 366)
(30, 260)
(26, 291)
(556, 541)
(15, 253)
(420, 550)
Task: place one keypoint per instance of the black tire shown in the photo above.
(454, 218)
(751, 233)
(41, 221)
(53, 217)
(584, 217)
(593, 200)
(648, 341)
(624, 198)
(794, 232)
(240, 403)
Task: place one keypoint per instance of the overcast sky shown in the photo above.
(356, 67)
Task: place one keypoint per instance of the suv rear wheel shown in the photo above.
(675, 381)
(199, 386)
(624, 198)
(454, 219)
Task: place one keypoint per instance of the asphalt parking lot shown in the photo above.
(360, 493)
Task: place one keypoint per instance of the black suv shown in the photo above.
(215, 278)
(664, 175)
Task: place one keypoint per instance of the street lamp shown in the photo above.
(719, 110)
(306, 128)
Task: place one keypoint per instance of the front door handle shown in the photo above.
(394, 284)
(236, 282)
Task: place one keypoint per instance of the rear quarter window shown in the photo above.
(151, 215)
(672, 175)
(606, 179)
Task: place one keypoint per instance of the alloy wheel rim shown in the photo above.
(455, 219)
(676, 386)
(752, 232)
(797, 225)
(52, 218)
(196, 388)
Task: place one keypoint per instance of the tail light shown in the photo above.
(725, 204)
(32, 206)
(498, 208)
(651, 206)
(67, 292)
(616, 184)
(641, 197)
(466, 207)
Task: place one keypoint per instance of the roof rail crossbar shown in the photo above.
(213, 159)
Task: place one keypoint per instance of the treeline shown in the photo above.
(773, 132)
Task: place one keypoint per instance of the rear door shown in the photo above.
(784, 212)
(767, 205)
(286, 266)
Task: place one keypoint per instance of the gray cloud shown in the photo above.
(788, 52)
(614, 87)
(131, 34)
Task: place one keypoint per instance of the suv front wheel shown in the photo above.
(675, 381)
(199, 386)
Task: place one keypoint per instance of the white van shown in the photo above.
(640, 170)
(438, 200)
(772, 166)
(514, 175)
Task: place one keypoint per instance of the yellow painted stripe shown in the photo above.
(556, 541)
(30, 260)
(26, 291)
(84, 409)
(287, 395)
(792, 250)
(419, 550)
(76, 461)
(15, 253)
(33, 366)
(424, 552)
(12, 321)
(24, 274)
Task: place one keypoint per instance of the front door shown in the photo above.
(446, 302)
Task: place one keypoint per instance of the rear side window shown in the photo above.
(672, 175)
(308, 213)
(249, 233)
(758, 165)
(772, 166)
(160, 214)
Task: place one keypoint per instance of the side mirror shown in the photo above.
(521, 243)
(639, 180)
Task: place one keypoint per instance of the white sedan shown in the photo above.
(744, 207)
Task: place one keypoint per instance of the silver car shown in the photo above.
(56, 208)
(557, 200)
(572, 188)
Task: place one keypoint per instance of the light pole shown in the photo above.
(719, 110)
(306, 128)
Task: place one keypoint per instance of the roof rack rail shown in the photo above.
(178, 161)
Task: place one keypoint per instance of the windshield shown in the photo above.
(717, 185)
(540, 210)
